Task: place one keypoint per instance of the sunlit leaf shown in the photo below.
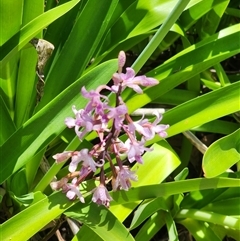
(222, 154)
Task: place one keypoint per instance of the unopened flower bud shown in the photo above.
(121, 61)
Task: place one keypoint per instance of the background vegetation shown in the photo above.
(189, 186)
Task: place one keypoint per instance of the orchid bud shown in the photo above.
(121, 61)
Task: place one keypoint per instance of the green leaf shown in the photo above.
(88, 29)
(199, 230)
(160, 34)
(171, 188)
(158, 165)
(146, 209)
(201, 110)
(182, 175)
(206, 216)
(18, 184)
(101, 221)
(228, 194)
(172, 230)
(25, 224)
(227, 207)
(6, 121)
(28, 31)
(199, 199)
(191, 62)
(151, 227)
(86, 233)
(148, 15)
(35, 217)
(222, 154)
(26, 199)
(9, 28)
(26, 84)
(11, 25)
(218, 126)
(29, 140)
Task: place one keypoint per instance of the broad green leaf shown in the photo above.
(25, 224)
(139, 18)
(191, 62)
(222, 154)
(147, 16)
(223, 232)
(218, 126)
(26, 84)
(233, 12)
(26, 199)
(199, 230)
(88, 29)
(171, 188)
(192, 15)
(58, 31)
(213, 16)
(199, 199)
(8, 78)
(160, 34)
(86, 233)
(151, 227)
(201, 110)
(35, 217)
(101, 221)
(197, 11)
(28, 31)
(158, 165)
(11, 25)
(8, 127)
(146, 209)
(176, 97)
(172, 230)
(18, 183)
(29, 140)
(227, 207)
(228, 194)
(206, 216)
(9, 29)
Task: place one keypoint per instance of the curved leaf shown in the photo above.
(199, 230)
(222, 154)
(35, 217)
(29, 221)
(201, 110)
(211, 217)
(28, 31)
(151, 227)
(88, 29)
(227, 207)
(146, 209)
(171, 188)
(189, 63)
(101, 221)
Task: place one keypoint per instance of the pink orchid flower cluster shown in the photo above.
(108, 122)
